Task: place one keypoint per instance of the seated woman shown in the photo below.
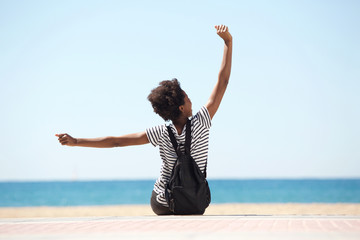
(172, 104)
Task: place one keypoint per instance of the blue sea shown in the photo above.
(85, 193)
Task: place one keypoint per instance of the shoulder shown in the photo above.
(202, 117)
(155, 134)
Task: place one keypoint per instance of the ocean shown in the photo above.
(87, 193)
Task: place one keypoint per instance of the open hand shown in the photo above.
(66, 139)
(223, 32)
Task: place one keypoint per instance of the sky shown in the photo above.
(291, 110)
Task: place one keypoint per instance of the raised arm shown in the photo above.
(104, 142)
(224, 74)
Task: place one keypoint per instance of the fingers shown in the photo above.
(221, 28)
(63, 138)
(61, 135)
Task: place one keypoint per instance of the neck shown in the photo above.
(180, 123)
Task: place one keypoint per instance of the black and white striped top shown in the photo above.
(159, 136)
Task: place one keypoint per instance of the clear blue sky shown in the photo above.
(292, 108)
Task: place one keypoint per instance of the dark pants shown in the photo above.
(157, 208)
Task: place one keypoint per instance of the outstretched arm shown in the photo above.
(224, 74)
(104, 142)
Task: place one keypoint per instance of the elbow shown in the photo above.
(113, 142)
(224, 79)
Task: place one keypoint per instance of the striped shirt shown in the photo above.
(159, 136)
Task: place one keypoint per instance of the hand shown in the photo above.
(66, 139)
(223, 32)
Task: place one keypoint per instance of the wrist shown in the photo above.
(228, 41)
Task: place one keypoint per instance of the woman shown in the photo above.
(172, 103)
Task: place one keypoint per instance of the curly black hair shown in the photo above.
(166, 99)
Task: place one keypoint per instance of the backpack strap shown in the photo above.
(188, 137)
(173, 141)
(188, 142)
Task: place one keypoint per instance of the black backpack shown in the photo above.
(187, 191)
